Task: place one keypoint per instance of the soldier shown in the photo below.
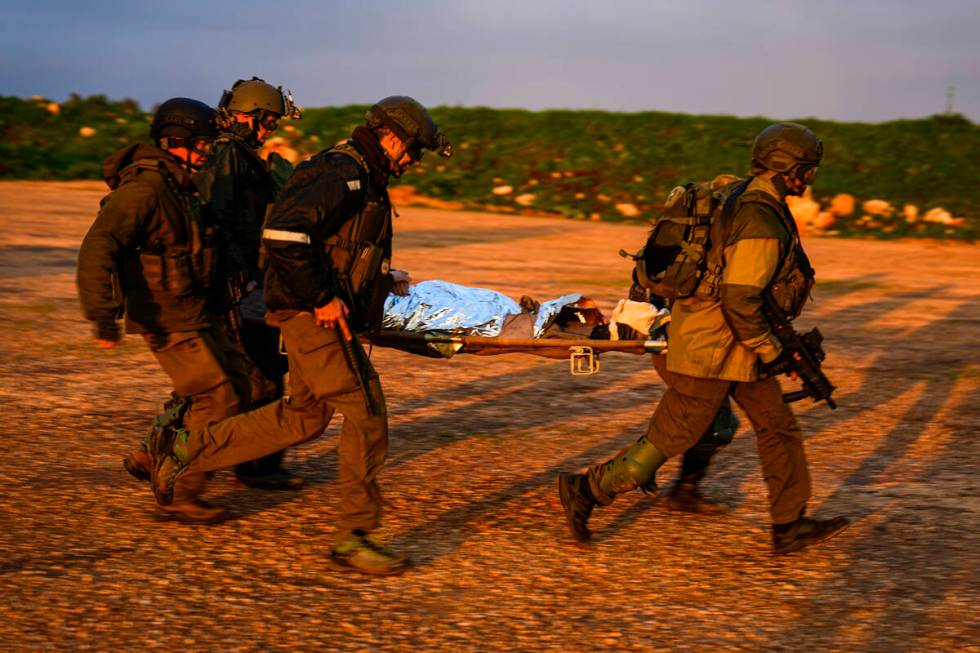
(723, 345)
(238, 185)
(151, 255)
(684, 494)
(327, 244)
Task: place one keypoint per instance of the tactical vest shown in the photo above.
(794, 278)
(359, 250)
(256, 191)
(177, 255)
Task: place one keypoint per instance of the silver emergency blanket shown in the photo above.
(461, 310)
(550, 310)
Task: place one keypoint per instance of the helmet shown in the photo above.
(257, 95)
(410, 121)
(182, 117)
(784, 146)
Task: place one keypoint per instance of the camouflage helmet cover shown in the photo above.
(783, 146)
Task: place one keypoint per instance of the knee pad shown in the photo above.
(632, 468)
(724, 427)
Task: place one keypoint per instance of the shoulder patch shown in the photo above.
(354, 184)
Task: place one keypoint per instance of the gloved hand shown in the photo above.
(781, 364)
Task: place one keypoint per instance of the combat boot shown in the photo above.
(138, 464)
(686, 497)
(166, 466)
(578, 502)
(281, 479)
(192, 511)
(362, 554)
(799, 534)
(268, 474)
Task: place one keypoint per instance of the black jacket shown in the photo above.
(237, 187)
(321, 195)
(148, 253)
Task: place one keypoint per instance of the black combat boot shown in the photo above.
(268, 474)
(684, 495)
(578, 502)
(799, 534)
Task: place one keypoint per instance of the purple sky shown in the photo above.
(867, 60)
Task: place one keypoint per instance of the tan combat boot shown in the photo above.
(360, 553)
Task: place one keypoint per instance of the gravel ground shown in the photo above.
(476, 445)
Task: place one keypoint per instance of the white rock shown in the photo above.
(627, 209)
(939, 215)
(842, 205)
(878, 207)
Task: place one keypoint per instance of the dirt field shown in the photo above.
(476, 446)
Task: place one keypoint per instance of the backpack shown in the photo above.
(674, 261)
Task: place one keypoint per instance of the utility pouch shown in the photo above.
(365, 267)
(792, 293)
(154, 271)
(180, 277)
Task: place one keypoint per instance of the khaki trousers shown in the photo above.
(320, 382)
(205, 367)
(689, 406)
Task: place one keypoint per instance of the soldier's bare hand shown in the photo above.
(334, 315)
(402, 280)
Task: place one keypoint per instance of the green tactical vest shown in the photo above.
(795, 277)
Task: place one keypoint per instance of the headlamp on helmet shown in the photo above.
(257, 97)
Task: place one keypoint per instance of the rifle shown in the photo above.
(804, 353)
(357, 359)
(360, 365)
(232, 318)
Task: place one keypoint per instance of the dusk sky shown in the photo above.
(867, 60)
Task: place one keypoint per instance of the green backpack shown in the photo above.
(674, 262)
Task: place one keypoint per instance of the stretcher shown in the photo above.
(440, 319)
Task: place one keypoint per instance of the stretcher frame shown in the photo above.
(582, 353)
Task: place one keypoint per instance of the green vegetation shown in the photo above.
(581, 164)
